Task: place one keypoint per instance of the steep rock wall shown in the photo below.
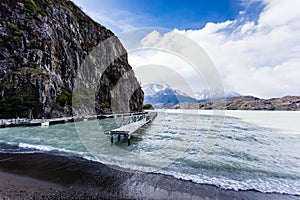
(44, 45)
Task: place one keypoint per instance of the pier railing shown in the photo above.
(131, 125)
(15, 122)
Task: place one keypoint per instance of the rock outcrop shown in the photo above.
(287, 103)
(44, 45)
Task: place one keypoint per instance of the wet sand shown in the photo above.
(45, 176)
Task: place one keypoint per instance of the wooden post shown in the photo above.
(112, 139)
(129, 140)
(119, 137)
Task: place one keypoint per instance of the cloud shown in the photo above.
(179, 58)
(215, 27)
(242, 12)
(260, 58)
(122, 23)
(151, 39)
(278, 13)
(249, 26)
(160, 66)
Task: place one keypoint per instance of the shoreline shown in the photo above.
(47, 176)
(19, 122)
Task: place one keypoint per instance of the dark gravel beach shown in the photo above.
(45, 176)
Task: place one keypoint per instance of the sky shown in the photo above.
(253, 46)
(120, 15)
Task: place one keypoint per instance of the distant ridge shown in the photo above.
(287, 103)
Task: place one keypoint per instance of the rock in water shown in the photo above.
(47, 47)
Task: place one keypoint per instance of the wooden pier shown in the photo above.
(6, 123)
(137, 121)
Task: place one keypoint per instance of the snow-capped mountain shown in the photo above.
(231, 94)
(164, 96)
(205, 95)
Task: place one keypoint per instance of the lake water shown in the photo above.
(240, 150)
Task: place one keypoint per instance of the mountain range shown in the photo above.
(164, 96)
(287, 103)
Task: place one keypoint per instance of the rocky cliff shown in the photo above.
(45, 48)
(287, 103)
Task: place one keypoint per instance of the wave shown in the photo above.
(264, 185)
(8, 143)
(270, 185)
(46, 148)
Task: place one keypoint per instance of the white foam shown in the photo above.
(91, 158)
(46, 148)
(266, 185)
(269, 185)
(9, 143)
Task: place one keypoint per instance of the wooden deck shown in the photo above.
(128, 129)
(6, 123)
(16, 122)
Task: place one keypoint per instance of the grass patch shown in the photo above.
(65, 98)
(32, 7)
(17, 100)
(76, 101)
(16, 39)
(32, 71)
(147, 107)
(15, 29)
(33, 65)
(45, 2)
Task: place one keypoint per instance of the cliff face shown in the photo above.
(43, 47)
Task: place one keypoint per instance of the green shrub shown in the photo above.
(76, 101)
(33, 65)
(102, 105)
(16, 30)
(32, 7)
(111, 85)
(12, 26)
(5, 85)
(62, 100)
(147, 107)
(65, 98)
(87, 92)
(45, 2)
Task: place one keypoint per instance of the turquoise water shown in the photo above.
(226, 151)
